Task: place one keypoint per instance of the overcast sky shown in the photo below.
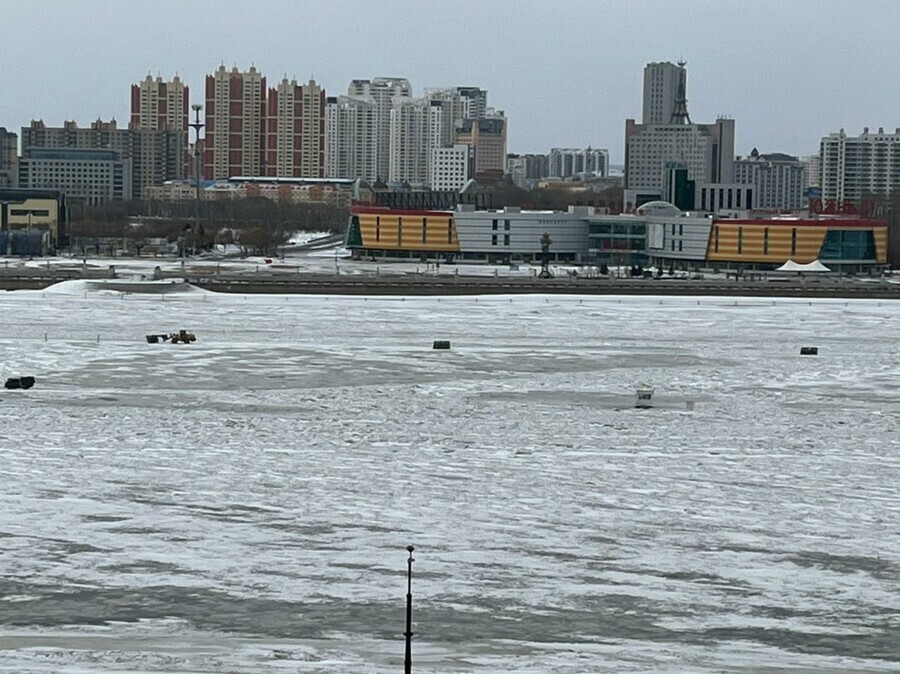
(567, 72)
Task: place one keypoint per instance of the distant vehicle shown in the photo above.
(643, 397)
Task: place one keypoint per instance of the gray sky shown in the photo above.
(567, 72)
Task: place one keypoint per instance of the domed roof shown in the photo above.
(658, 208)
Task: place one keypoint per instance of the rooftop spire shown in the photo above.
(679, 112)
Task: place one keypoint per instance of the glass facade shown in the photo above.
(848, 244)
(618, 242)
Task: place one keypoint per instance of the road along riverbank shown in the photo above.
(423, 284)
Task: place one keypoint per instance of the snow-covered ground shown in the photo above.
(242, 504)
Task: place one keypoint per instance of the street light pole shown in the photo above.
(407, 662)
(197, 126)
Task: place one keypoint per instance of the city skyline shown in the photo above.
(567, 76)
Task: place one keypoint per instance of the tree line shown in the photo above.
(257, 224)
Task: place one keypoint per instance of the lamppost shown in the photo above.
(197, 126)
(545, 256)
(407, 662)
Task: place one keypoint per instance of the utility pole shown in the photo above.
(407, 662)
(197, 126)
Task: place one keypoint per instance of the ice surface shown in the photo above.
(243, 503)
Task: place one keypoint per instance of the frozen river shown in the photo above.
(242, 504)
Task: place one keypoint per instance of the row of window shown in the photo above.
(740, 241)
(34, 212)
(424, 229)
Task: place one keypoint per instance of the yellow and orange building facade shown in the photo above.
(407, 231)
(774, 241)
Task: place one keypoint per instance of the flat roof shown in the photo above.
(296, 181)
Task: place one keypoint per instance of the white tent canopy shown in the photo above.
(815, 265)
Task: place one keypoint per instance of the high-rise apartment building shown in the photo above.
(235, 123)
(459, 103)
(569, 162)
(100, 135)
(856, 166)
(416, 125)
(383, 92)
(473, 102)
(661, 84)
(312, 140)
(9, 153)
(350, 138)
(158, 105)
(159, 128)
(294, 131)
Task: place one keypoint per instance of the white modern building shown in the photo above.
(512, 233)
(449, 169)
(384, 91)
(570, 162)
(855, 166)
(350, 138)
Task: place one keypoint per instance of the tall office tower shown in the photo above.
(662, 82)
(568, 162)
(294, 131)
(235, 123)
(487, 138)
(350, 138)
(9, 153)
(854, 166)
(415, 131)
(383, 91)
(778, 180)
